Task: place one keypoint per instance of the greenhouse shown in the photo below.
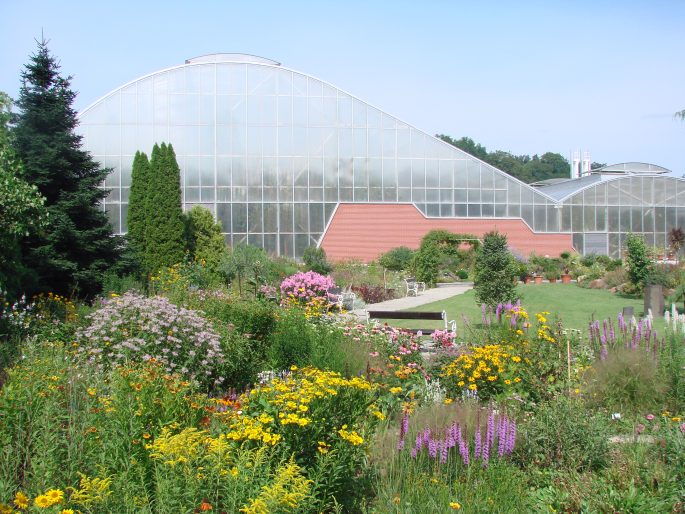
(286, 161)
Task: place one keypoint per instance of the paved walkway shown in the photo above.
(408, 302)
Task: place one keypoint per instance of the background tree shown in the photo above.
(496, 271)
(246, 263)
(22, 208)
(204, 240)
(637, 260)
(676, 240)
(524, 167)
(78, 247)
(164, 236)
(139, 209)
(315, 260)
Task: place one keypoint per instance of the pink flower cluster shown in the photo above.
(305, 286)
(444, 338)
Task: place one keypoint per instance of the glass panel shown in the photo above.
(589, 218)
(600, 214)
(285, 222)
(613, 218)
(474, 210)
(316, 217)
(270, 216)
(254, 217)
(432, 173)
(301, 217)
(239, 215)
(539, 224)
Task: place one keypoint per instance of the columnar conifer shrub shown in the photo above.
(637, 259)
(165, 245)
(136, 328)
(496, 271)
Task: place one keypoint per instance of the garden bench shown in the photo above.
(344, 299)
(434, 316)
(414, 287)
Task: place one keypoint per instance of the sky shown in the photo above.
(526, 77)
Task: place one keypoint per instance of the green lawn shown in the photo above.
(574, 306)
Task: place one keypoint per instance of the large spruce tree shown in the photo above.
(164, 238)
(71, 256)
(139, 208)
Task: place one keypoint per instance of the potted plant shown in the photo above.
(551, 276)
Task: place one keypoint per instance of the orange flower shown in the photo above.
(205, 506)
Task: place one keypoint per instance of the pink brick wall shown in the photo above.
(364, 231)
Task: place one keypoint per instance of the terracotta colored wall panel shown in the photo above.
(364, 231)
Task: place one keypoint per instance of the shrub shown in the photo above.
(638, 262)
(562, 434)
(495, 271)
(291, 341)
(135, 328)
(374, 294)
(397, 259)
(462, 274)
(425, 264)
(315, 260)
(304, 287)
(616, 277)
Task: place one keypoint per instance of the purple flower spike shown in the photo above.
(432, 448)
(477, 443)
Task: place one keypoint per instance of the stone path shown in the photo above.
(408, 302)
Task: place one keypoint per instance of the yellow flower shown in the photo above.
(6, 509)
(21, 500)
(676, 419)
(42, 501)
(55, 496)
(447, 401)
(473, 387)
(67, 511)
(455, 505)
(395, 390)
(516, 358)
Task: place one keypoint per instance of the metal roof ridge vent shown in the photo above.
(246, 58)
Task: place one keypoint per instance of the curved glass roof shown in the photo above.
(632, 167)
(231, 58)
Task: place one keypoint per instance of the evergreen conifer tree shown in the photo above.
(78, 247)
(495, 280)
(165, 244)
(139, 205)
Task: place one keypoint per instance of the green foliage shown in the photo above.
(496, 272)
(315, 260)
(245, 262)
(140, 208)
(523, 167)
(78, 247)
(292, 340)
(448, 242)
(22, 208)
(562, 434)
(426, 264)
(628, 380)
(164, 237)
(397, 259)
(637, 259)
(204, 240)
